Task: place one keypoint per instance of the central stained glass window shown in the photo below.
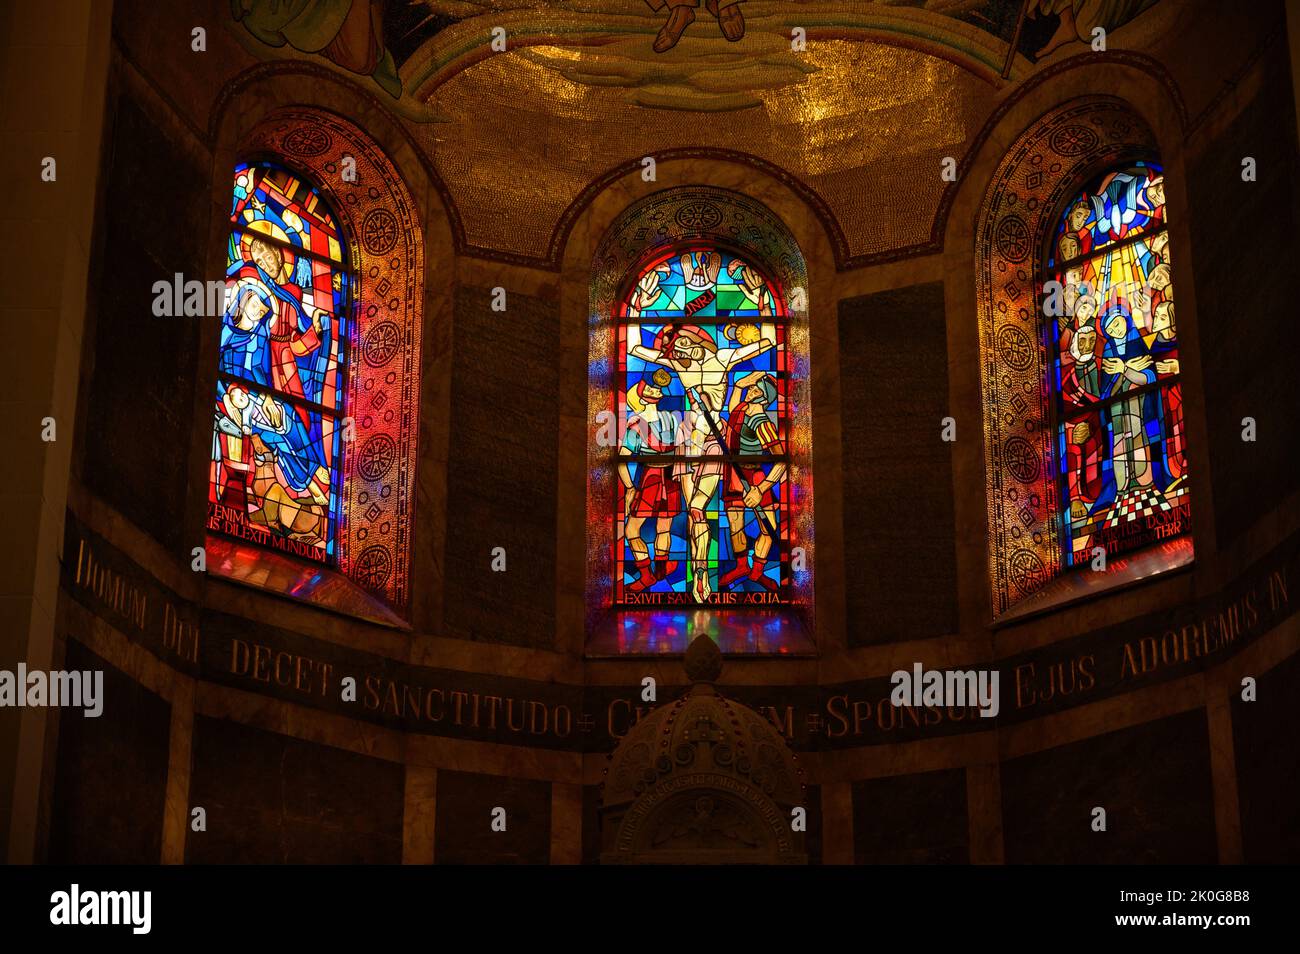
(702, 502)
(1121, 440)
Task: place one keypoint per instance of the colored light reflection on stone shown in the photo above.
(260, 567)
(669, 632)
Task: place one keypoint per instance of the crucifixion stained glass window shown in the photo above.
(275, 476)
(1121, 440)
(702, 502)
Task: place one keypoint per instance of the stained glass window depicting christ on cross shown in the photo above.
(275, 470)
(702, 379)
(1121, 440)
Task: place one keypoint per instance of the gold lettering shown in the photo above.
(609, 718)
(170, 635)
(279, 658)
(861, 711)
(1022, 684)
(510, 716)
(116, 592)
(1148, 659)
(1166, 656)
(1229, 622)
(261, 662)
(533, 709)
(139, 602)
(884, 705)
(83, 555)
(839, 715)
(237, 667)
(1129, 665)
(786, 728)
(410, 702)
(428, 705)
(1277, 589)
(1058, 674)
(1085, 672)
(1229, 626)
(568, 720)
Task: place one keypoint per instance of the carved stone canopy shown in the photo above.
(702, 780)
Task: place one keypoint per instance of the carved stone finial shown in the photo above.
(703, 660)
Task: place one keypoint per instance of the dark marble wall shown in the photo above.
(503, 470)
(463, 832)
(1152, 779)
(1244, 236)
(110, 776)
(1268, 783)
(139, 369)
(911, 819)
(272, 799)
(899, 534)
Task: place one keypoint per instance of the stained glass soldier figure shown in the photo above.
(752, 431)
(701, 367)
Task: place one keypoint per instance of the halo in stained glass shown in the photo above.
(1116, 206)
(702, 509)
(1121, 440)
(275, 473)
(272, 201)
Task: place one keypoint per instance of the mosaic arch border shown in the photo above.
(1045, 164)
(668, 217)
(386, 257)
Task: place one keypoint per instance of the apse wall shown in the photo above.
(479, 692)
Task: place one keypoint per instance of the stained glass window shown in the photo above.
(702, 504)
(275, 476)
(1121, 440)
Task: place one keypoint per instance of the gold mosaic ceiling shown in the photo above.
(859, 121)
(864, 125)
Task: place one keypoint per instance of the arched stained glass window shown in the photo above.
(1121, 440)
(275, 476)
(702, 506)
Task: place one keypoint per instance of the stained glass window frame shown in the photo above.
(782, 319)
(1051, 268)
(345, 317)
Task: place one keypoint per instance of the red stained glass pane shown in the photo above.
(702, 509)
(276, 474)
(1121, 441)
